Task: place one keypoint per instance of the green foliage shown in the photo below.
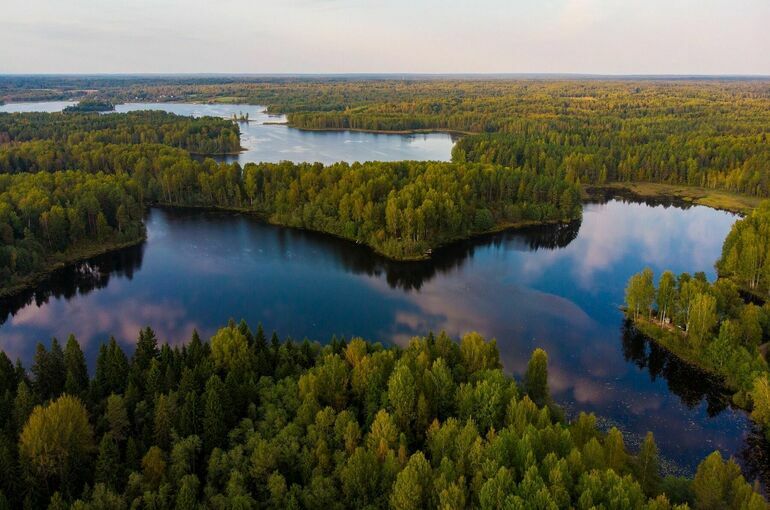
(647, 466)
(356, 425)
(710, 325)
(230, 349)
(57, 442)
(704, 134)
(49, 217)
(56, 133)
(536, 378)
(90, 105)
(95, 173)
(640, 293)
(706, 324)
(746, 252)
(400, 209)
(715, 486)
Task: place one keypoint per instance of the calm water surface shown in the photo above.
(555, 287)
(42, 106)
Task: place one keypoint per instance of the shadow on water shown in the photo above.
(754, 458)
(77, 279)
(604, 195)
(95, 273)
(412, 275)
(693, 386)
(689, 383)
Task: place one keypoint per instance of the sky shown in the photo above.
(386, 36)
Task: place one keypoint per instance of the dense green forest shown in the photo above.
(92, 157)
(746, 252)
(51, 218)
(243, 422)
(708, 133)
(207, 135)
(400, 209)
(712, 325)
(72, 186)
(711, 135)
(90, 106)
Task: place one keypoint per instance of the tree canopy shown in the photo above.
(242, 422)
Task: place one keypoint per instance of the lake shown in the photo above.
(556, 287)
(278, 142)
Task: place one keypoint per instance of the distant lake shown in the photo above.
(42, 106)
(553, 287)
(274, 143)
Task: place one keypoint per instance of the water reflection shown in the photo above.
(77, 280)
(264, 138)
(694, 386)
(754, 458)
(686, 381)
(556, 287)
(413, 275)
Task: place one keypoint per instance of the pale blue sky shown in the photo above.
(386, 36)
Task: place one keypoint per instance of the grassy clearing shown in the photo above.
(716, 199)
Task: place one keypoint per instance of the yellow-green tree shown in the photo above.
(230, 349)
(57, 440)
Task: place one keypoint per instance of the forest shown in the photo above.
(48, 219)
(89, 106)
(208, 135)
(720, 327)
(746, 253)
(400, 209)
(241, 421)
(706, 133)
(709, 133)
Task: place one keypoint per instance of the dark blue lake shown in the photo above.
(554, 287)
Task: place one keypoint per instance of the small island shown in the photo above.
(90, 106)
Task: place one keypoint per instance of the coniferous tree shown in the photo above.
(648, 466)
(76, 381)
(214, 421)
(107, 467)
(536, 378)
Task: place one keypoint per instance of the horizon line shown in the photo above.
(394, 75)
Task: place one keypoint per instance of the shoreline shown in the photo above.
(731, 202)
(412, 258)
(38, 277)
(379, 131)
(719, 200)
(644, 327)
